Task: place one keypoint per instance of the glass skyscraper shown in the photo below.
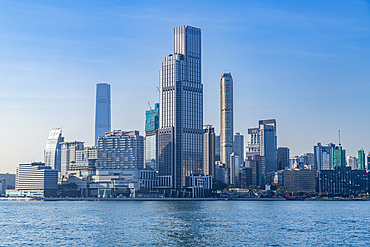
(181, 110)
(151, 137)
(52, 153)
(268, 143)
(324, 156)
(103, 110)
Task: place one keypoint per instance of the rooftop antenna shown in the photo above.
(339, 137)
(149, 105)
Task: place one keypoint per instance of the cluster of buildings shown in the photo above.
(180, 155)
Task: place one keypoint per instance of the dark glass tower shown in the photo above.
(102, 112)
(180, 146)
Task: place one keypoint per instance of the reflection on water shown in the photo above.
(219, 223)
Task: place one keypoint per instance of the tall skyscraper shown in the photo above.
(151, 137)
(217, 147)
(253, 143)
(103, 110)
(361, 159)
(226, 114)
(238, 147)
(268, 143)
(324, 156)
(339, 156)
(208, 150)
(181, 110)
(283, 158)
(52, 153)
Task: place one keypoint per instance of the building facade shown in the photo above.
(102, 111)
(268, 143)
(361, 159)
(180, 146)
(299, 180)
(121, 150)
(258, 165)
(238, 147)
(68, 154)
(217, 148)
(227, 118)
(283, 155)
(324, 156)
(52, 153)
(151, 138)
(339, 157)
(208, 150)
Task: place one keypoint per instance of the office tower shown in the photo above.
(238, 147)
(87, 154)
(103, 110)
(339, 157)
(324, 156)
(208, 150)
(309, 161)
(361, 159)
(68, 154)
(226, 121)
(299, 180)
(297, 162)
(234, 168)
(180, 147)
(121, 150)
(217, 147)
(352, 162)
(52, 153)
(36, 179)
(151, 137)
(253, 143)
(258, 165)
(283, 158)
(268, 143)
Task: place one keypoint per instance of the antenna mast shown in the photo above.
(339, 137)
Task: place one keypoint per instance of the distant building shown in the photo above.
(258, 165)
(352, 162)
(68, 154)
(222, 172)
(52, 153)
(368, 161)
(297, 162)
(279, 178)
(208, 150)
(103, 110)
(245, 176)
(9, 180)
(238, 147)
(339, 157)
(299, 180)
(87, 154)
(121, 150)
(324, 157)
(283, 158)
(35, 179)
(253, 143)
(361, 159)
(234, 169)
(217, 147)
(151, 138)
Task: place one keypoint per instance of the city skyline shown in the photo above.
(304, 65)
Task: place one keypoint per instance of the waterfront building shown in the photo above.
(52, 153)
(258, 165)
(68, 154)
(102, 111)
(324, 156)
(279, 178)
(36, 179)
(121, 150)
(245, 177)
(234, 168)
(208, 150)
(283, 158)
(352, 162)
(151, 138)
(361, 159)
(268, 143)
(342, 180)
(180, 146)
(253, 143)
(222, 172)
(9, 180)
(238, 147)
(226, 114)
(339, 157)
(217, 148)
(299, 180)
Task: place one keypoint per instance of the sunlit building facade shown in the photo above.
(52, 152)
(103, 110)
(151, 138)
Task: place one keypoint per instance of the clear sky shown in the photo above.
(304, 63)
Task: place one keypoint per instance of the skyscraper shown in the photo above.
(361, 159)
(52, 153)
(208, 150)
(324, 156)
(238, 147)
(283, 158)
(217, 147)
(151, 137)
(268, 143)
(339, 156)
(226, 121)
(180, 146)
(68, 154)
(103, 110)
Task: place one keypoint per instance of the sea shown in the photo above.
(185, 223)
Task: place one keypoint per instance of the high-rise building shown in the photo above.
(208, 150)
(227, 116)
(268, 143)
(238, 147)
(52, 153)
(324, 156)
(339, 157)
(361, 159)
(234, 168)
(217, 147)
(103, 110)
(258, 165)
(180, 147)
(151, 138)
(121, 150)
(352, 162)
(253, 143)
(283, 158)
(68, 154)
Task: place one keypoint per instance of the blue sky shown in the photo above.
(304, 63)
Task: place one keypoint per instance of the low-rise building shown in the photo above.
(299, 180)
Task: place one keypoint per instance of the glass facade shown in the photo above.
(52, 153)
(361, 159)
(180, 145)
(268, 143)
(339, 157)
(103, 110)
(151, 137)
(324, 157)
